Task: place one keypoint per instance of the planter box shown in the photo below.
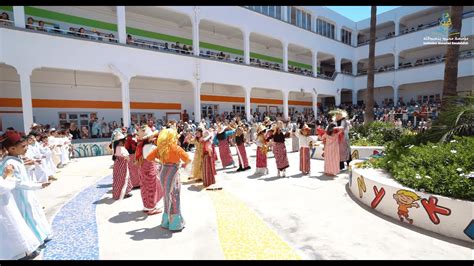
(358, 152)
(378, 190)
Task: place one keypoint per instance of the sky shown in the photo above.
(358, 13)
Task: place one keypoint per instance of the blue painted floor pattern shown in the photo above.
(75, 226)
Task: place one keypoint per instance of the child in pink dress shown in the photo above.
(331, 150)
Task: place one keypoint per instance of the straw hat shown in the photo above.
(118, 136)
(306, 128)
(220, 128)
(261, 128)
(338, 111)
(206, 135)
(145, 132)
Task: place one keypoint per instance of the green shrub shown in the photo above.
(376, 133)
(445, 169)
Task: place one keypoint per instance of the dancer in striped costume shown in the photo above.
(331, 150)
(304, 139)
(131, 146)
(121, 183)
(150, 186)
(262, 149)
(170, 155)
(224, 148)
(242, 154)
(279, 148)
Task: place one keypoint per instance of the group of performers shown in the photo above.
(150, 159)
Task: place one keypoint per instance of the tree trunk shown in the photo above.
(452, 57)
(369, 107)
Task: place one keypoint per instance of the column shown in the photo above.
(338, 97)
(354, 97)
(285, 56)
(395, 95)
(19, 16)
(315, 63)
(337, 34)
(395, 61)
(285, 13)
(397, 27)
(121, 24)
(354, 68)
(246, 36)
(197, 102)
(196, 50)
(337, 63)
(354, 38)
(26, 103)
(248, 92)
(285, 104)
(315, 104)
(126, 102)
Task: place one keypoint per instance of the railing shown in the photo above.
(96, 36)
(421, 62)
(160, 46)
(5, 22)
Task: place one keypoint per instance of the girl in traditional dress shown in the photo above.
(208, 166)
(262, 149)
(304, 142)
(331, 150)
(198, 156)
(131, 146)
(279, 148)
(170, 155)
(242, 154)
(25, 198)
(150, 186)
(17, 240)
(344, 146)
(224, 148)
(121, 183)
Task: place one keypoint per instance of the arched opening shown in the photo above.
(221, 42)
(222, 101)
(266, 102)
(265, 52)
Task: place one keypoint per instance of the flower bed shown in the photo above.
(376, 133)
(357, 152)
(377, 189)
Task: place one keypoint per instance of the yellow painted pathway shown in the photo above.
(243, 235)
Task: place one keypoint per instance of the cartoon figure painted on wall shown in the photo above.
(355, 155)
(405, 200)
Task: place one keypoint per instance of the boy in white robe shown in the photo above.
(23, 193)
(17, 240)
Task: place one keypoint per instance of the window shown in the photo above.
(293, 16)
(278, 12)
(308, 22)
(299, 18)
(288, 14)
(265, 10)
(324, 28)
(209, 109)
(238, 109)
(303, 25)
(346, 36)
(81, 119)
(272, 11)
(140, 118)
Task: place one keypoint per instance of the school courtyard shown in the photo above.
(295, 217)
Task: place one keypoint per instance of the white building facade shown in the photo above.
(274, 59)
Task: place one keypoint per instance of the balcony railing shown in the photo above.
(155, 45)
(420, 62)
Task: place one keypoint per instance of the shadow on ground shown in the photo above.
(150, 233)
(405, 225)
(124, 217)
(196, 188)
(107, 201)
(104, 186)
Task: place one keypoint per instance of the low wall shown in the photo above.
(358, 152)
(89, 149)
(378, 190)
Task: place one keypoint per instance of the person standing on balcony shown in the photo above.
(170, 155)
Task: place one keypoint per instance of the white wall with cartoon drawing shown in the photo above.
(91, 149)
(357, 152)
(442, 215)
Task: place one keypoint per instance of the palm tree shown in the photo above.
(369, 107)
(452, 55)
